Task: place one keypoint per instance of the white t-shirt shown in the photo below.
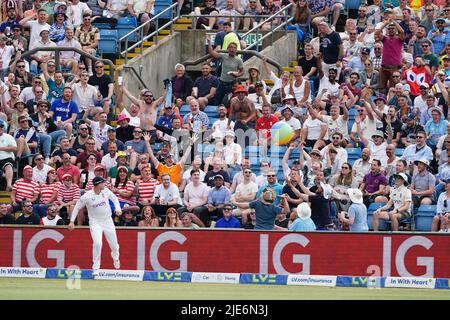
(168, 194)
(41, 175)
(7, 140)
(400, 196)
(220, 127)
(368, 127)
(109, 162)
(187, 175)
(250, 188)
(338, 125)
(134, 121)
(230, 151)
(378, 152)
(28, 94)
(328, 86)
(75, 13)
(196, 194)
(341, 154)
(6, 54)
(35, 30)
(294, 123)
(314, 127)
(47, 222)
(84, 96)
(101, 135)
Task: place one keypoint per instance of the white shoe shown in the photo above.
(206, 27)
(95, 272)
(117, 264)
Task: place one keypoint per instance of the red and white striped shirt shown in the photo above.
(25, 189)
(146, 189)
(129, 186)
(66, 194)
(48, 190)
(90, 185)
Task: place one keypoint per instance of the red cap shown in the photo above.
(99, 167)
(240, 88)
(67, 176)
(27, 168)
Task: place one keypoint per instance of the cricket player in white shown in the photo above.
(100, 221)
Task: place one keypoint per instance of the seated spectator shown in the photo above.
(121, 160)
(181, 85)
(142, 162)
(58, 28)
(70, 58)
(99, 128)
(111, 133)
(68, 168)
(48, 192)
(422, 184)
(86, 96)
(149, 218)
(314, 131)
(204, 87)
(41, 56)
(377, 147)
(89, 37)
(418, 150)
(123, 188)
(441, 219)
(374, 184)
(35, 25)
(337, 124)
(172, 219)
(87, 174)
(67, 196)
(443, 175)
(24, 188)
(259, 97)
(245, 192)
(435, 127)
(109, 159)
(196, 121)
(409, 131)
(19, 110)
(265, 209)
(233, 154)
(90, 149)
(391, 161)
(240, 176)
(127, 219)
(356, 217)
(143, 11)
(27, 217)
(26, 138)
(64, 147)
(145, 187)
(301, 219)
(228, 220)
(218, 196)
(166, 196)
(195, 196)
(40, 169)
(400, 199)
(75, 12)
(187, 218)
(5, 216)
(29, 93)
(8, 147)
(52, 218)
(207, 9)
(187, 178)
(104, 83)
(216, 170)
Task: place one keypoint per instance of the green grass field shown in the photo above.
(24, 289)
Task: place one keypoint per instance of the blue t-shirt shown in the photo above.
(231, 223)
(265, 215)
(63, 109)
(302, 225)
(436, 130)
(358, 212)
(29, 135)
(278, 190)
(140, 147)
(54, 91)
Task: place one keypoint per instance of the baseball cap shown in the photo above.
(365, 50)
(440, 19)
(411, 116)
(403, 176)
(111, 130)
(97, 180)
(425, 85)
(381, 96)
(28, 168)
(240, 88)
(64, 177)
(121, 154)
(99, 167)
(219, 176)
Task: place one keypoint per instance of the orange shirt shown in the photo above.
(173, 171)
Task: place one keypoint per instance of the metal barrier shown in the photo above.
(81, 52)
(155, 19)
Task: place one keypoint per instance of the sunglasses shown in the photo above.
(90, 143)
(39, 159)
(83, 128)
(336, 138)
(137, 131)
(92, 159)
(98, 67)
(345, 168)
(395, 76)
(40, 92)
(227, 209)
(270, 176)
(82, 68)
(360, 111)
(148, 96)
(23, 121)
(425, 46)
(51, 65)
(247, 172)
(352, 34)
(28, 205)
(21, 66)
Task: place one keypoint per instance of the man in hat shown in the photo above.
(400, 202)
(392, 51)
(356, 64)
(205, 87)
(10, 22)
(300, 219)
(36, 25)
(242, 110)
(41, 56)
(409, 131)
(287, 113)
(232, 68)
(125, 130)
(99, 211)
(259, 97)
(422, 183)
(377, 146)
(25, 188)
(356, 217)
(439, 35)
(26, 137)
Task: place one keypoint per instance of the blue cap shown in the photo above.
(3, 124)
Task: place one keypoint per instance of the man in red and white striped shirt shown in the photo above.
(68, 194)
(146, 186)
(25, 188)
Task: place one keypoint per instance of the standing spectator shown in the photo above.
(99, 128)
(27, 217)
(301, 219)
(392, 52)
(273, 184)
(89, 37)
(264, 124)
(377, 147)
(314, 132)
(400, 200)
(104, 84)
(109, 159)
(331, 48)
(86, 96)
(422, 184)
(356, 218)
(245, 192)
(8, 147)
(242, 110)
(125, 131)
(232, 68)
(36, 25)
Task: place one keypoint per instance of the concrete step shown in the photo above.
(164, 32)
(148, 43)
(181, 26)
(119, 62)
(159, 38)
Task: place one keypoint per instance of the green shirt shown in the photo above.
(431, 60)
(230, 64)
(112, 173)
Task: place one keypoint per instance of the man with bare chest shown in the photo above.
(242, 110)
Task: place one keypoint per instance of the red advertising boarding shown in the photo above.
(324, 253)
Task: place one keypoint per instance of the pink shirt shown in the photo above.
(392, 51)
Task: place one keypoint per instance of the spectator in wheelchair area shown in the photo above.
(400, 200)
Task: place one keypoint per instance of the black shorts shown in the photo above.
(5, 162)
(310, 143)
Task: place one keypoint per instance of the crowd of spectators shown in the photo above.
(379, 87)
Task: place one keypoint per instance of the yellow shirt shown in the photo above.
(174, 172)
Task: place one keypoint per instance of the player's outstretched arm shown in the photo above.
(78, 206)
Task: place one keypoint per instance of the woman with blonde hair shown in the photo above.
(149, 218)
(172, 219)
(254, 75)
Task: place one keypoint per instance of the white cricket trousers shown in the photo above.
(97, 230)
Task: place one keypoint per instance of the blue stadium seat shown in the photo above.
(372, 208)
(211, 121)
(353, 154)
(205, 148)
(125, 25)
(253, 151)
(399, 152)
(352, 4)
(424, 217)
(160, 8)
(211, 111)
(184, 110)
(278, 151)
(102, 26)
(352, 112)
(108, 41)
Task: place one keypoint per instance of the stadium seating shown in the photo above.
(399, 152)
(184, 109)
(108, 41)
(126, 25)
(372, 208)
(353, 154)
(424, 217)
